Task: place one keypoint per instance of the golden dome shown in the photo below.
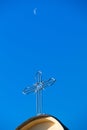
(42, 122)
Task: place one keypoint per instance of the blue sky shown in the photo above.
(53, 41)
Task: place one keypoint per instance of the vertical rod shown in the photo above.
(39, 93)
(38, 76)
(39, 102)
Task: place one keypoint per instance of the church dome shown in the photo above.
(42, 122)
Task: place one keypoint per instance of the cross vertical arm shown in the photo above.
(39, 102)
(39, 93)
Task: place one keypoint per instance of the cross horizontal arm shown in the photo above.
(49, 82)
(28, 90)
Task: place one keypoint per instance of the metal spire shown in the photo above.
(37, 88)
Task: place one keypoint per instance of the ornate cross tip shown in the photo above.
(37, 88)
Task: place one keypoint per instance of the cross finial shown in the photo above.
(37, 88)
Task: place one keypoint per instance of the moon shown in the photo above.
(35, 11)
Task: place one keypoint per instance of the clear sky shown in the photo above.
(53, 41)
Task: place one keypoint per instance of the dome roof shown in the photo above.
(42, 122)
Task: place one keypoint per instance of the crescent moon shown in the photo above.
(35, 11)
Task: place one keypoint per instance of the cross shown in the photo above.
(38, 88)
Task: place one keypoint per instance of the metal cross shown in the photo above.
(37, 88)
